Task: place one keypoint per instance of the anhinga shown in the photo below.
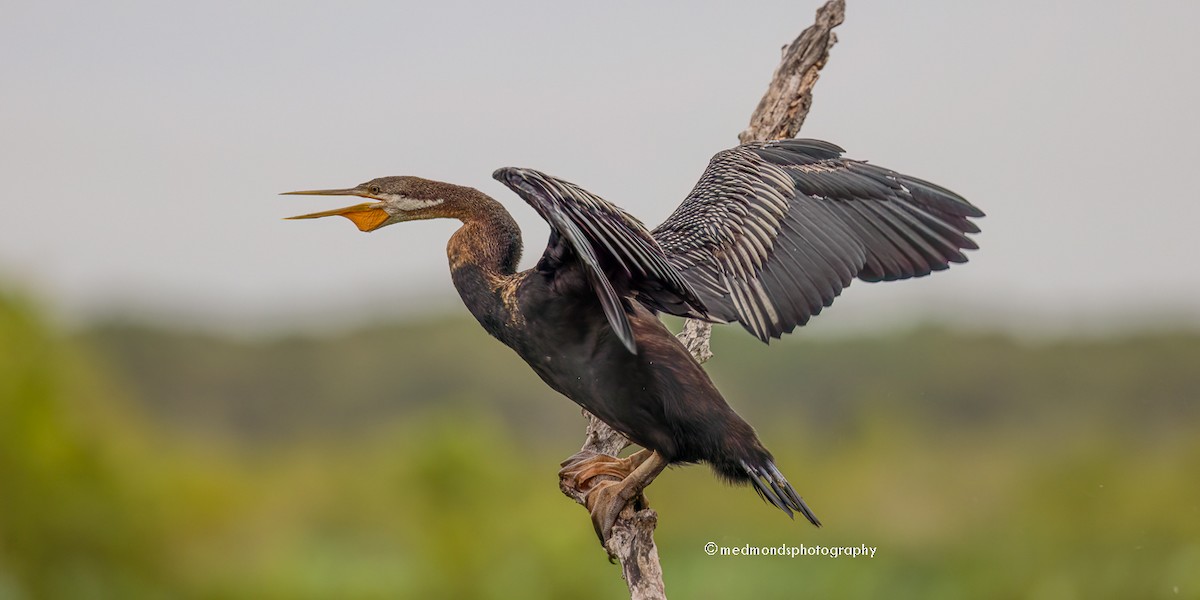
(768, 237)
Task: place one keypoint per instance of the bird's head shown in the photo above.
(395, 199)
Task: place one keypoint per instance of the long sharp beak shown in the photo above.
(367, 216)
(341, 192)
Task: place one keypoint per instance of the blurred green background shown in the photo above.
(418, 459)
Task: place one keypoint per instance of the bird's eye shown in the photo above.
(374, 190)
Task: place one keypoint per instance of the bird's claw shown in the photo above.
(605, 502)
(603, 482)
(579, 470)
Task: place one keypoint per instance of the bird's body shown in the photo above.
(771, 235)
(660, 397)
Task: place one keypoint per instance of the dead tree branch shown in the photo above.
(783, 108)
(779, 115)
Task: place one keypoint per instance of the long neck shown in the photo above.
(489, 238)
(483, 260)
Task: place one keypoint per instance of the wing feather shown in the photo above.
(774, 231)
(617, 254)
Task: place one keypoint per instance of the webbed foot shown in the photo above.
(606, 497)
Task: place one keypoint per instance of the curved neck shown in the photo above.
(483, 260)
(489, 238)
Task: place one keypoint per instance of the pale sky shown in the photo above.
(142, 144)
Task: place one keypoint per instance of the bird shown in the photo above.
(769, 236)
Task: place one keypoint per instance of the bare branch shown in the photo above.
(633, 536)
(783, 108)
(694, 337)
(779, 115)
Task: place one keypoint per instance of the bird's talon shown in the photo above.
(578, 471)
(605, 505)
(608, 485)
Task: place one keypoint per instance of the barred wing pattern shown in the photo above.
(619, 256)
(774, 231)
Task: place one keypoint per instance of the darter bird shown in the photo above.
(769, 236)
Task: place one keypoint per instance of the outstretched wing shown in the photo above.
(617, 253)
(774, 231)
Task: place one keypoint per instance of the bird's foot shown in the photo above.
(610, 484)
(580, 471)
(606, 501)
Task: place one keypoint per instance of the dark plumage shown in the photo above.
(770, 235)
(774, 231)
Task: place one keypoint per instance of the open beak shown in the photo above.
(367, 216)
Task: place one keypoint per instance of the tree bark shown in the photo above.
(783, 108)
(779, 115)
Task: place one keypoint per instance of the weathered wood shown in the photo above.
(779, 115)
(783, 108)
(694, 337)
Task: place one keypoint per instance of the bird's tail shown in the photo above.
(756, 467)
(774, 488)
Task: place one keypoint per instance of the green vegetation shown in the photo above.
(419, 459)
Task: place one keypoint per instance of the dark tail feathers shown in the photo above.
(774, 488)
